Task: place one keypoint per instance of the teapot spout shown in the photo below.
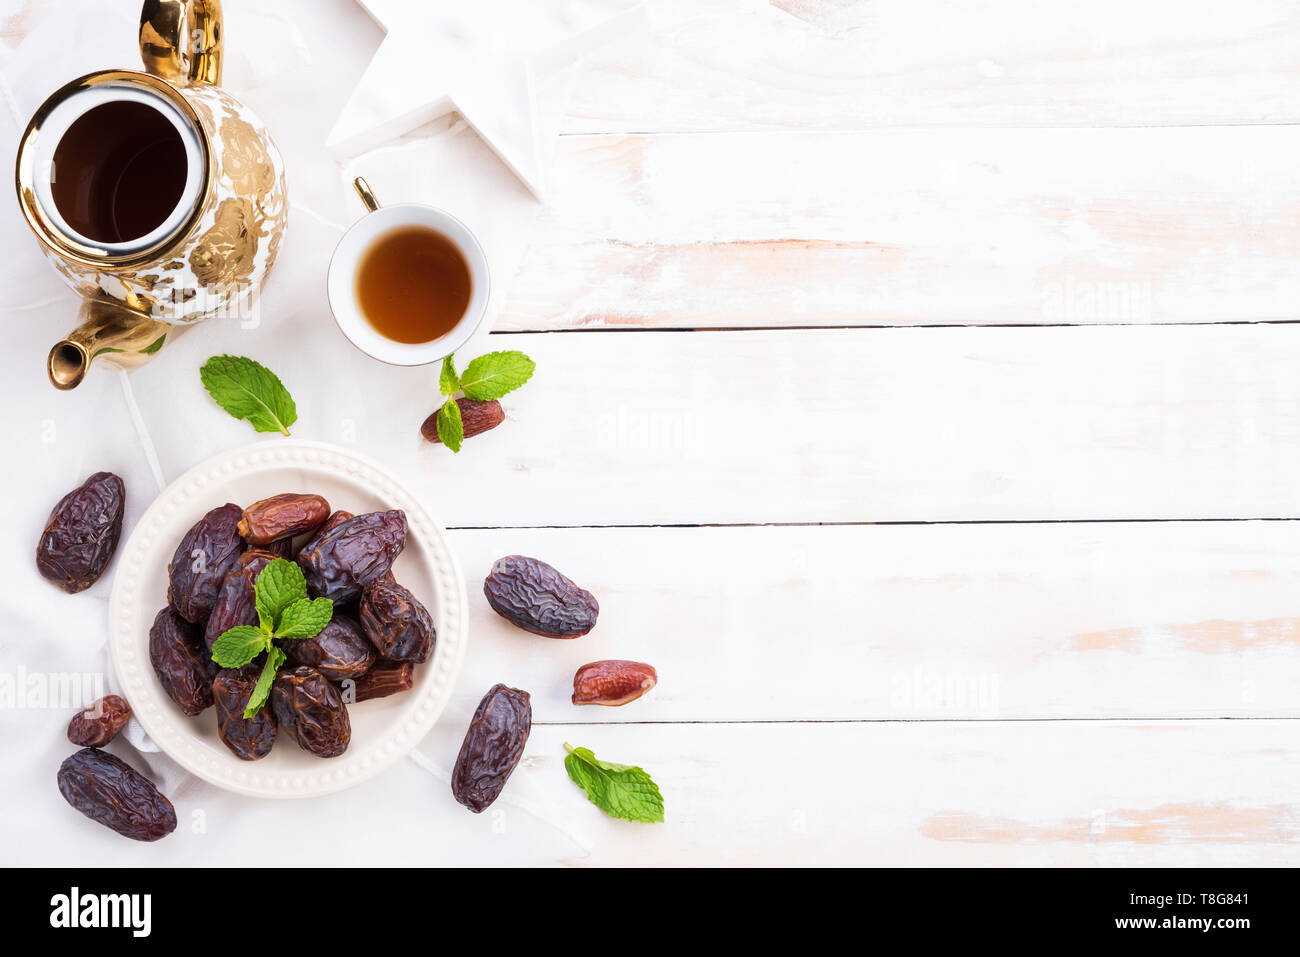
(110, 332)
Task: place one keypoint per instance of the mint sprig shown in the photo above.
(283, 611)
(620, 790)
(249, 390)
(486, 378)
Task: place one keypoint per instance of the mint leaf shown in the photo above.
(278, 586)
(262, 690)
(620, 790)
(448, 381)
(249, 390)
(305, 618)
(450, 427)
(238, 646)
(496, 374)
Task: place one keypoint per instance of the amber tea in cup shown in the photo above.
(413, 284)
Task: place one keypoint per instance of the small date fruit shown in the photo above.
(237, 601)
(612, 682)
(202, 560)
(339, 650)
(308, 706)
(100, 723)
(282, 516)
(383, 680)
(475, 417)
(175, 651)
(400, 628)
(353, 554)
(249, 738)
(82, 532)
(539, 599)
(108, 790)
(493, 746)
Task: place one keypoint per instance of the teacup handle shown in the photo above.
(366, 193)
(180, 40)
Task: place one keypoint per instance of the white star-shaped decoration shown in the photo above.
(477, 57)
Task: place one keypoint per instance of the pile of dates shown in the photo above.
(538, 598)
(379, 632)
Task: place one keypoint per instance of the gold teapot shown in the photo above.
(156, 195)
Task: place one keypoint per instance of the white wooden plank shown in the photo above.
(857, 64)
(915, 227)
(965, 793)
(851, 425)
(904, 622)
(930, 793)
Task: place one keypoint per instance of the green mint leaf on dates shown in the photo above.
(262, 690)
(496, 374)
(279, 585)
(305, 618)
(450, 427)
(249, 390)
(238, 646)
(448, 380)
(620, 790)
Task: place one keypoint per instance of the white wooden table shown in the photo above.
(922, 402)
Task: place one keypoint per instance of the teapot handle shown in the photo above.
(180, 40)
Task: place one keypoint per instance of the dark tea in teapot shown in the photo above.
(118, 172)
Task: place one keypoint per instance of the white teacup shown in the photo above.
(378, 222)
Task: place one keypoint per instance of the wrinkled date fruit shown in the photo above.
(383, 680)
(82, 533)
(476, 417)
(108, 790)
(353, 554)
(334, 521)
(237, 600)
(539, 599)
(493, 746)
(204, 556)
(175, 653)
(249, 738)
(282, 516)
(309, 707)
(612, 682)
(100, 723)
(340, 650)
(397, 624)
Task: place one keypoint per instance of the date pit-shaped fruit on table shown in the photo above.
(538, 598)
(82, 532)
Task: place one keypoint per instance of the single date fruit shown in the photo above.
(492, 748)
(308, 706)
(100, 723)
(108, 790)
(204, 556)
(539, 599)
(612, 682)
(339, 650)
(282, 516)
(334, 521)
(249, 738)
(237, 602)
(353, 554)
(400, 628)
(175, 651)
(476, 417)
(383, 680)
(82, 532)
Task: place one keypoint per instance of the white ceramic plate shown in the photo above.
(384, 729)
